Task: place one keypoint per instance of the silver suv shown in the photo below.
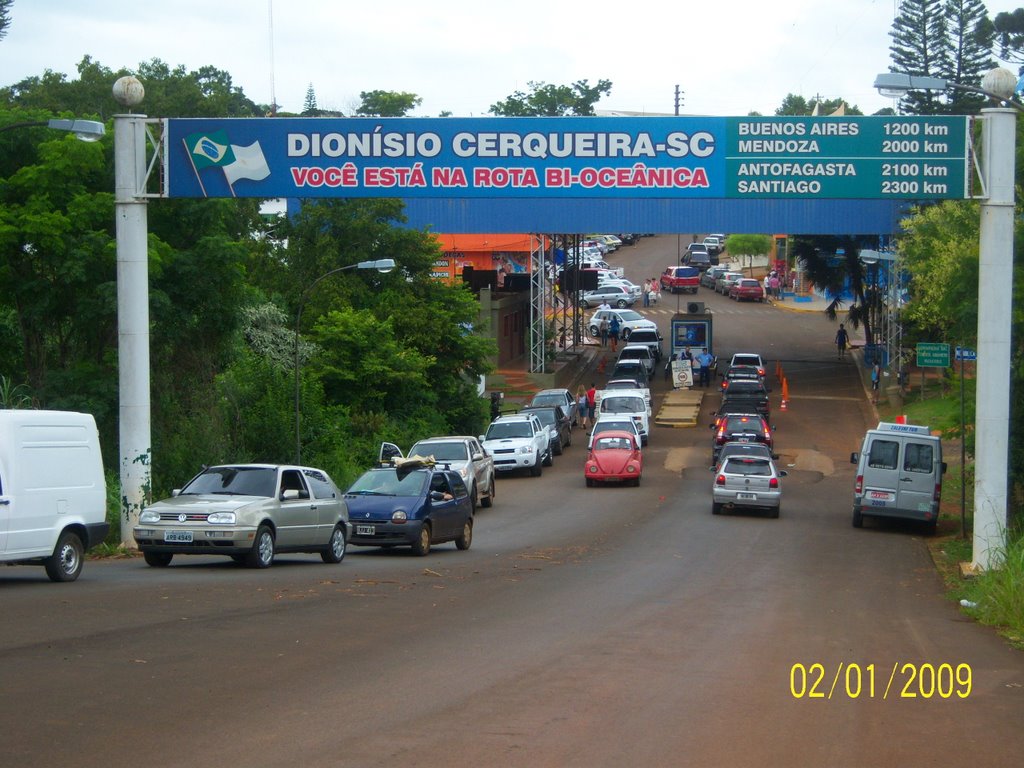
(518, 441)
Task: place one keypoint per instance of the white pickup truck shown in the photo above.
(463, 454)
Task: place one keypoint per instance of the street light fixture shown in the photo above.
(995, 299)
(85, 130)
(381, 265)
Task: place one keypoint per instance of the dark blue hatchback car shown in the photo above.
(410, 502)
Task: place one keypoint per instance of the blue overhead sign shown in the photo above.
(675, 158)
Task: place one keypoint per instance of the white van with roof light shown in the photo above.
(899, 474)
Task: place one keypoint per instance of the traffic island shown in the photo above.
(680, 408)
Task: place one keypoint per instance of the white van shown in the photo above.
(899, 474)
(626, 403)
(52, 491)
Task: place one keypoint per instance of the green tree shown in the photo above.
(833, 264)
(739, 246)
(387, 103)
(1008, 32)
(309, 107)
(553, 100)
(920, 46)
(799, 106)
(5, 17)
(971, 39)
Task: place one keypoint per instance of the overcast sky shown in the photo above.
(729, 57)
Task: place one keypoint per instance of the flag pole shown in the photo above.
(195, 170)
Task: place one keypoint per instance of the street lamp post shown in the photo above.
(995, 297)
(84, 130)
(381, 265)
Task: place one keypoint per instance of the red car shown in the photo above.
(748, 289)
(614, 456)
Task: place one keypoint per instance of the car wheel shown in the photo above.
(773, 513)
(549, 458)
(716, 508)
(488, 500)
(594, 331)
(536, 469)
(474, 497)
(568, 439)
(158, 559)
(421, 546)
(262, 553)
(621, 303)
(466, 539)
(858, 519)
(590, 483)
(67, 559)
(335, 551)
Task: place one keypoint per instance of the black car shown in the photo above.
(741, 428)
(560, 425)
(748, 393)
(702, 260)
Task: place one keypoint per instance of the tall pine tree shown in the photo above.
(971, 38)
(920, 46)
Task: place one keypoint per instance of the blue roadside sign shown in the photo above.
(963, 353)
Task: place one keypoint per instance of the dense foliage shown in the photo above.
(390, 356)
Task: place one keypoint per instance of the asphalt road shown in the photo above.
(585, 627)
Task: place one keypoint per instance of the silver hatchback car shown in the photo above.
(249, 512)
(747, 481)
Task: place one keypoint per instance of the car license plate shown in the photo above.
(365, 530)
(178, 537)
(746, 496)
(880, 495)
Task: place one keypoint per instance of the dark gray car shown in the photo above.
(555, 419)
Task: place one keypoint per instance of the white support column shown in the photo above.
(995, 298)
(132, 318)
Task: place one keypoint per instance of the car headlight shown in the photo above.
(149, 516)
(221, 518)
(399, 516)
(526, 449)
(592, 468)
(631, 469)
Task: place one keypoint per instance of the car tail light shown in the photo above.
(858, 484)
(760, 372)
(720, 480)
(767, 433)
(937, 497)
(773, 483)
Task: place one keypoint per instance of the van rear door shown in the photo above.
(918, 477)
(881, 474)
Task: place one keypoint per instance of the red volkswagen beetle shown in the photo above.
(615, 456)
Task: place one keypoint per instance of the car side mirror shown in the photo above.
(783, 473)
(943, 467)
(477, 457)
(855, 457)
(289, 494)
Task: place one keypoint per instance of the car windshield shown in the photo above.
(507, 429)
(614, 424)
(747, 465)
(235, 481)
(746, 360)
(741, 424)
(636, 337)
(390, 482)
(622, 405)
(612, 444)
(451, 451)
(545, 415)
(630, 316)
(745, 385)
(550, 399)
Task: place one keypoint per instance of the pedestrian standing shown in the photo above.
(647, 294)
(842, 339)
(613, 331)
(773, 283)
(706, 359)
(592, 403)
(582, 407)
(603, 329)
(876, 376)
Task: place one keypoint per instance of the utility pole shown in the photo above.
(679, 99)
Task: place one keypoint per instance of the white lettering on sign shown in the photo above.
(797, 169)
(789, 146)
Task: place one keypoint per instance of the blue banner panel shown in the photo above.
(640, 158)
(588, 157)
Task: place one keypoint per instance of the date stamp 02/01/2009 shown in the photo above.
(904, 680)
